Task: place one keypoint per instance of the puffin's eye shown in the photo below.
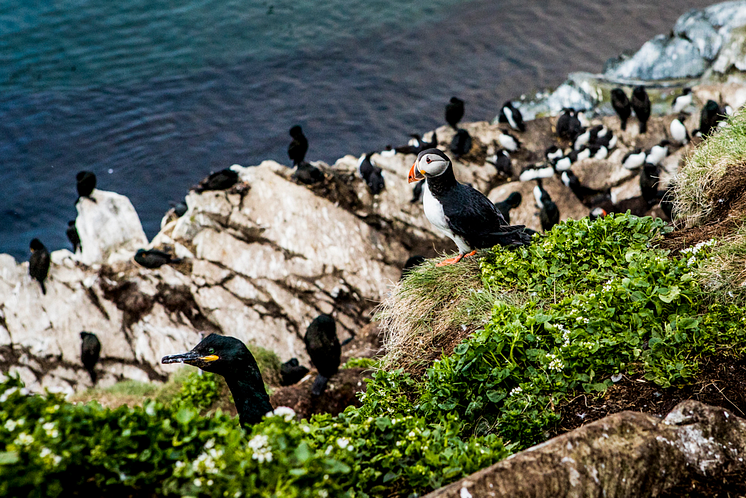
(428, 160)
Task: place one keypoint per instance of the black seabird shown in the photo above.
(415, 146)
(501, 162)
(454, 112)
(634, 159)
(621, 105)
(588, 196)
(38, 263)
(72, 235)
(322, 345)
(459, 211)
(658, 152)
(416, 193)
(153, 258)
(667, 200)
(229, 357)
(709, 117)
(307, 174)
(682, 101)
(298, 146)
(598, 151)
(510, 202)
(511, 115)
(641, 105)
(180, 208)
(649, 177)
(291, 372)
(371, 174)
(678, 130)
(86, 184)
(565, 163)
(549, 213)
(461, 143)
(90, 349)
(508, 142)
(568, 124)
(220, 180)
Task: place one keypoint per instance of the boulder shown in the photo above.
(663, 57)
(627, 454)
(109, 228)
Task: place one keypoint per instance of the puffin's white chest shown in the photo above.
(435, 215)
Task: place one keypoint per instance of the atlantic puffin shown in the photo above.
(641, 105)
(459, 211)
(621, 105)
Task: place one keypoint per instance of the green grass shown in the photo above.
(723, 152)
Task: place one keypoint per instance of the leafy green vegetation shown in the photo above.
(584, 305)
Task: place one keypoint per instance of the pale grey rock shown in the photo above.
(109, 228)
(728, 15)
(695, 27)
(663, 57)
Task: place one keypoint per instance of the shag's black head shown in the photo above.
(639, 92)
(36, 245)
(514, 199)
(216, 353)
(296, 131)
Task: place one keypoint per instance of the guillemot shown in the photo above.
(511, 115)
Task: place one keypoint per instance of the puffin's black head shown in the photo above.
(514, 200)
(597, 213)
(215, 353)
(429, 163)
(36, 245)
(296, 131)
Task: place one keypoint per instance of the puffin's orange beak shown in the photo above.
(415, 175)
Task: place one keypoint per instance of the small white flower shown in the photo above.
(515, 390)
(45, 452)
(343, 442)
(282, 411)
(10, 425)
(7, 394)
(261, 450)
(24, 439)
(198, 483)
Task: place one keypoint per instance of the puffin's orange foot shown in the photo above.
(452, 261)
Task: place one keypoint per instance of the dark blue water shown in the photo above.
(152, 95)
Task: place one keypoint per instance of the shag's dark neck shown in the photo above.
(251, 399)
(440, 184)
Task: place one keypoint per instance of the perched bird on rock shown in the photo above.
(291, 372)
(153, 258)
(454, 112)
(220, 180)
(307, 174)
(38, 263)
(709, 117)
(461, 143)
(538, 170)
(72, 235)
(417, 193)
(581, 140)
(678, 130)
(180, 208)
(86, 184)
(229, 357)
(586, 195)
(658, 152)
(416, 145)
(564, 163)
(549, 214)
(568, 124)
(511, 115)
(371, 174)
(682, 101)
(298, 146)
(649, 177)
(322, 345)
(510, 202)
(501, 162)
(508, 142)
(553, 153)
(90, 349)
(634, 159)
(459, 211)
(641, 105)
(621, 105)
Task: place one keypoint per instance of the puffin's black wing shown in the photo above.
(474, 217)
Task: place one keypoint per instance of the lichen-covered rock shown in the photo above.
(627, 454)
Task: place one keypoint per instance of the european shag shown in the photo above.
(153, 258)
(621, 105)
(90, 350)
(454, 111)
(72, 235)
(38, 263)
(298, 146)
(459, 211)
(510, 202)
(307, 174)
(322, 345)
(461, 143)
(641, 105)
(220, 180)
(229, 357)
(291, 372)
(86, 183)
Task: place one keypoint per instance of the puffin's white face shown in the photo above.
(429, 163)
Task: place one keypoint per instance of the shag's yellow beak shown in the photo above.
(415, 175)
